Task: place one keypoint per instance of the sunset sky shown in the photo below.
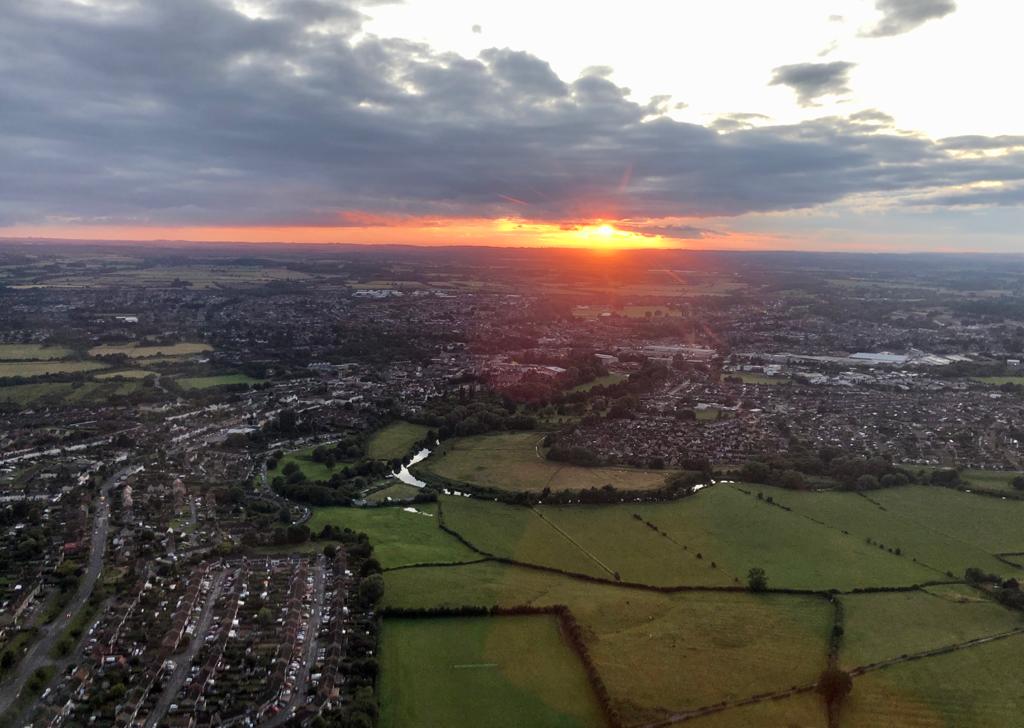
(883, 125)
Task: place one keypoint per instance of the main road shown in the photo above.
(38, 654)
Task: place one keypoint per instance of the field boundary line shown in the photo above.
(570, 539)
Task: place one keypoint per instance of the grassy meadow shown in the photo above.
(395, 440)
(500, 672)
(515, 461)
(222, 380)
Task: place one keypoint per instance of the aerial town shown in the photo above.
(228, 475)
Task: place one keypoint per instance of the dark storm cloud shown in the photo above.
(902, 16)
(187, 112)
(813, 80)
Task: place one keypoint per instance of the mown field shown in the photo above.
(40, 368)
(722, 526)
(32, 352)
(135, 351)
(65, 393)
(395, 440)
(606, 381)
(664, 652)
(500, 672)
(657, 653)
(221, 380)
(125, 374)
(979, 687)
(515, 461)
(313, 470)
(399, 537)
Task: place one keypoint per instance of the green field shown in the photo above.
(883, 626)
(395, 440)
(515, 461)
(125, 374)
(656, 653)
(222, 380)
(397, 491)
(40, 368)
(721, 524)
(32, 352)
(313, 470)
(988, 523)
(999, 380)
(499, 672)
(755, 378)
(65, 393)
(634, 312)
(979, 687)
(135, 351)
(916, 538)
(606, 381)
(982, 479)
(399, 537)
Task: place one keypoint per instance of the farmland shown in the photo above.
(32, 352)
(662, 653)
(41, 368)
(606, 381)
(395, 440)
(399, 537)
(655, 652)
(495, 671)
(135, 351)
(62, 393)
(222, 380)
(514, 461)
(722, 525)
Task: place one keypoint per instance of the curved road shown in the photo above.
(38, 654)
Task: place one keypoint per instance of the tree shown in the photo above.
(1018, 482)
(7, 660)
(757, 580)
(371, 589)
(834, 685)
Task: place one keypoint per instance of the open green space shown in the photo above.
(803, 710)
(916, 538)
(399, 537)
(606, 381)
(886, 625)
(125, 374)
(500, 672)
(515, 461)
(41, 368)
(637, 312)
(988, 523)
(65, 393)
(719, 525)
(222, 380)
(313, 470)
(32, 352)
(978, 687)
(756, 378)
(656, 653)
(135, 351)
(395, 440)
(981, 479)
(396, 491)
(999, 380)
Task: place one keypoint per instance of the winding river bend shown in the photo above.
(408, 478)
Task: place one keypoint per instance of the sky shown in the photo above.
(875, 125)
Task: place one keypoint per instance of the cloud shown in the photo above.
(902, 16)
(998, 196)
(981, 143)
(190, 113)
(677, 232)
(810, 81)
(477, 29)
